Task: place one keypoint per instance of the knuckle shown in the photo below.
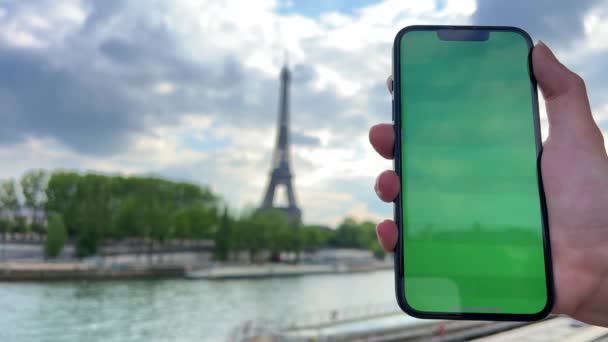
(599, 137)
(578, 82)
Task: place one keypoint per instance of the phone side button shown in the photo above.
(393, 110)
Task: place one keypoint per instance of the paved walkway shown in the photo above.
(279, 270)
(559, 329)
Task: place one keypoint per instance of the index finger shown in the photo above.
(382, 136)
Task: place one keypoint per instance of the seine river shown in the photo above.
(177, 310)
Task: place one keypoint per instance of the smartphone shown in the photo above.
(473, 231)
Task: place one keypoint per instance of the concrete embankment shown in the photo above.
(82, 271)
(280, 270)
(74, 270)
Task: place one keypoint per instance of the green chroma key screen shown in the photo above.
(473, 238)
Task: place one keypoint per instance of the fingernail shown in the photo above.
(378, 235)
(377, 187)
(546, 50)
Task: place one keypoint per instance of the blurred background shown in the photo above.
(200, 170)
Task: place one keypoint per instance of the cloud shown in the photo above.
(559, 22)
(40, 100)
(299, 138)
(134, 71)
(189, 89)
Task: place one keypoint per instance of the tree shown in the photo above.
(158, 220)
(61, 198)
(55, 237)
(181, 224)
(97, 207)
(348, 235)
(352, 234)
(247, 235)
(223, 238)
(128, 218)
(368, 239)
(314, 237)
(203, 221)
(379, 253)
(9, 202)
(5, 226)
(5, 223)
(33, 184)
(275, 231)
(93, 213)
(8, 196)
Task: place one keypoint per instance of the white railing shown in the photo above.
(313, 320)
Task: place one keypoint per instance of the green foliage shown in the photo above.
(272, 231)
(96, 207)
(9, 202)
(274, 224)
(351, 234)
(93, 207)
(33, 184)
(5, 225)
(8, 195)
(224, 237)
(203, 221)
(182, 228)
(55, 238)
(11, 207)
(314, 237)
(379, 253)
(87, 243)
(20, 225)
(264, 230)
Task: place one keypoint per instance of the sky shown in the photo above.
(189, 89)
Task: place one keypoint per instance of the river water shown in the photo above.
(178, 310)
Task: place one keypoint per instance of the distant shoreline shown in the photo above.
(66, 271)
(14, 272)
(281, 270)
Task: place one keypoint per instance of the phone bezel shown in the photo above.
(396, 107)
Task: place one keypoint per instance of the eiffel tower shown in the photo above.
(281, 172)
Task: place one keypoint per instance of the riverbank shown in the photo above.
(47, 271)
(282, 270)
(56, 271)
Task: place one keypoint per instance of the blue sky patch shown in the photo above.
(316, 8)
(191, 142)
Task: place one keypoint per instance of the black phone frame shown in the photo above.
(398, 255)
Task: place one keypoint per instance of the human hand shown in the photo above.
(574, 166)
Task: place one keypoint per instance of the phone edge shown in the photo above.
(398, 255)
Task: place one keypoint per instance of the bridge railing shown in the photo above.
(248, 330)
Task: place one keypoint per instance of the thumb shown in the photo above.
(565, 96)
